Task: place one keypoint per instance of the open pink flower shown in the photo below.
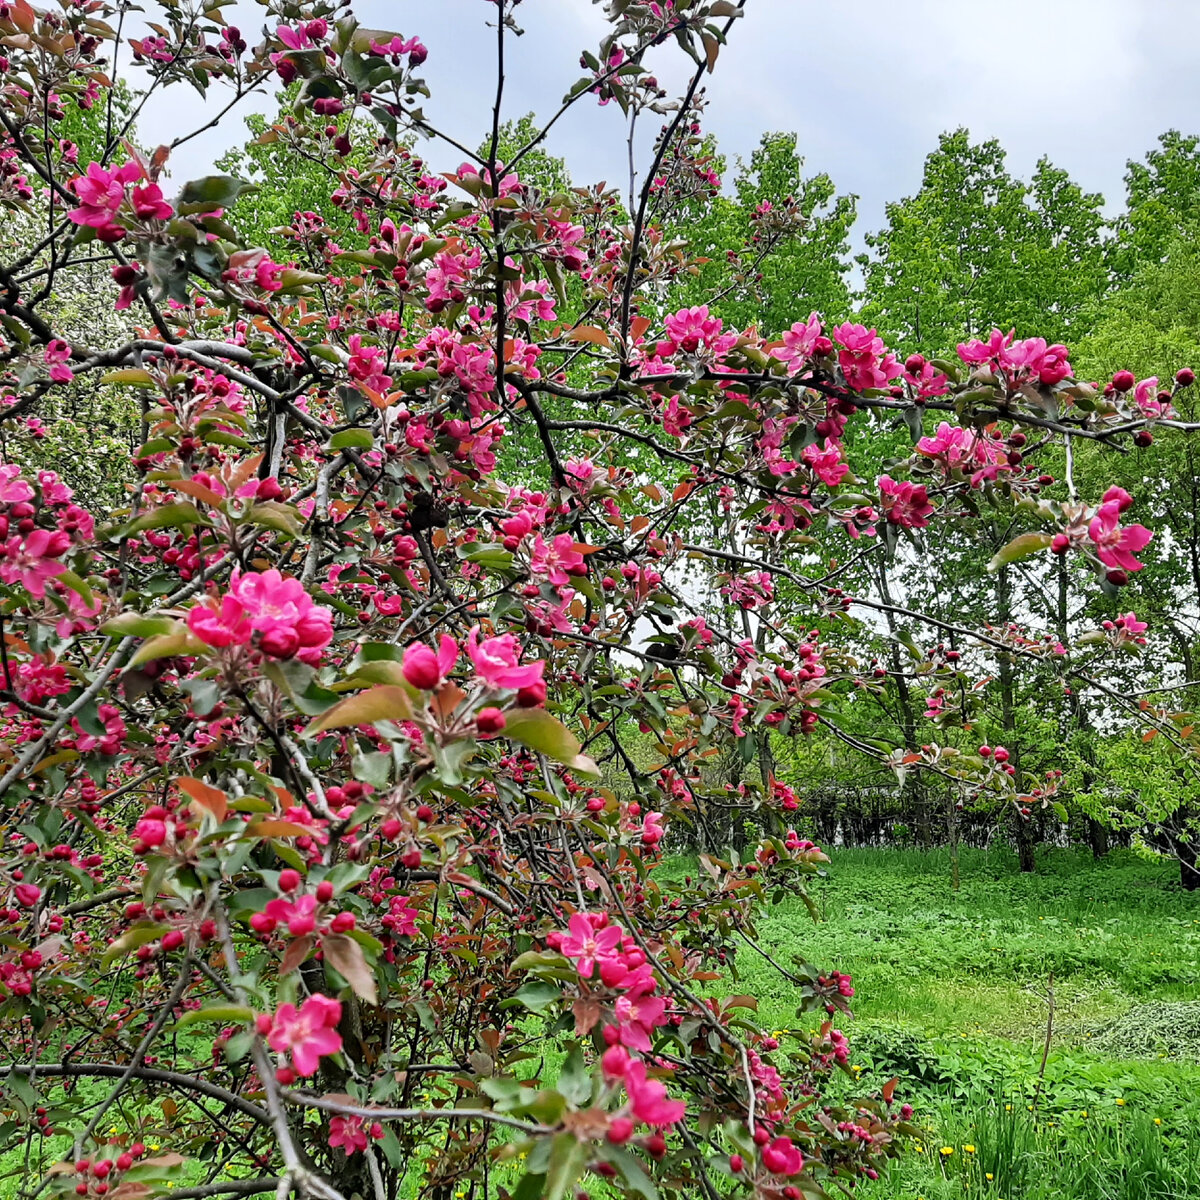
(58, 354)
(277, 605)
(348, 1133)
(13, 489)
(557, 560)
(589, 945)
(220, 622)
(308, 1032)
(424, 669)
(905, 504)
(1115, 544)
(648, 1099)
(298, 915)
(496, 663)
(101, 193)
(865, 361)
(780, 1157)
(32, 561)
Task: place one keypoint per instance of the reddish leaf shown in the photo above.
(298, 950)
(209, 798)
(346, 957)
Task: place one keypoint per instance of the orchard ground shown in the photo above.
(950, 998)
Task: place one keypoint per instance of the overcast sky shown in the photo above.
(866, 84)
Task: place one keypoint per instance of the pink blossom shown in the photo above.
(905, 504)
(298, 915)
(424, 669)
(589, 945)
(348, 1134)
(31, 561)
(637, 1016)
(557, 561)
(799, 343)
(1129, 623)
(864, 359)
(691, 329)
(58, 354)
(826, 464)
(780, 1157)
(975, 352)
(1116, 545)
(220, 622)
(648, 1098)
(275, 603)
(101, 194)
(496, 662)
(148, 203)
(308, 1032)
(13, 489)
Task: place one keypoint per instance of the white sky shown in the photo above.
(867, 84)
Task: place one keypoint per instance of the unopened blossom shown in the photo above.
(423, 668)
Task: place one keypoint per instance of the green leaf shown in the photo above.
(355, 439)
(165, 514)
(78, 586)
(387, 703)
(140, 935)
(537, 729)
(222, 1014)
(1019, 547)
(133, 624)
(574, 1080)
(537, 995)
(567, 1156)
(209, 193)
(131, 376)
(270, 514)
(168, 646)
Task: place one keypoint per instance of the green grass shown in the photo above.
(950, 998)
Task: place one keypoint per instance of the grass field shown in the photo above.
(951, 997)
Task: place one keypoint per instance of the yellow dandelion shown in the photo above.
(1008, 1108)
(1158, 1120)
(1120, 1102)
(946, 1151)
(1084, 1113)
(969, 1148)
(988, 1176)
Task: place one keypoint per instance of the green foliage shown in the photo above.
(805, 270)
(977, 248)
(946, 1001)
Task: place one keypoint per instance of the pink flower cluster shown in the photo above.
(496, 661)
(600, 948)
(955, 448)
(691, 330)
(905, 504)
(277, 609)
(102, 193)
(1019, 362)
(865, 361)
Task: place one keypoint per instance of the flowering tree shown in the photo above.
(338, 764)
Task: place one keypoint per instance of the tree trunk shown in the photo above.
(1023, 828)
(1189, 875)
